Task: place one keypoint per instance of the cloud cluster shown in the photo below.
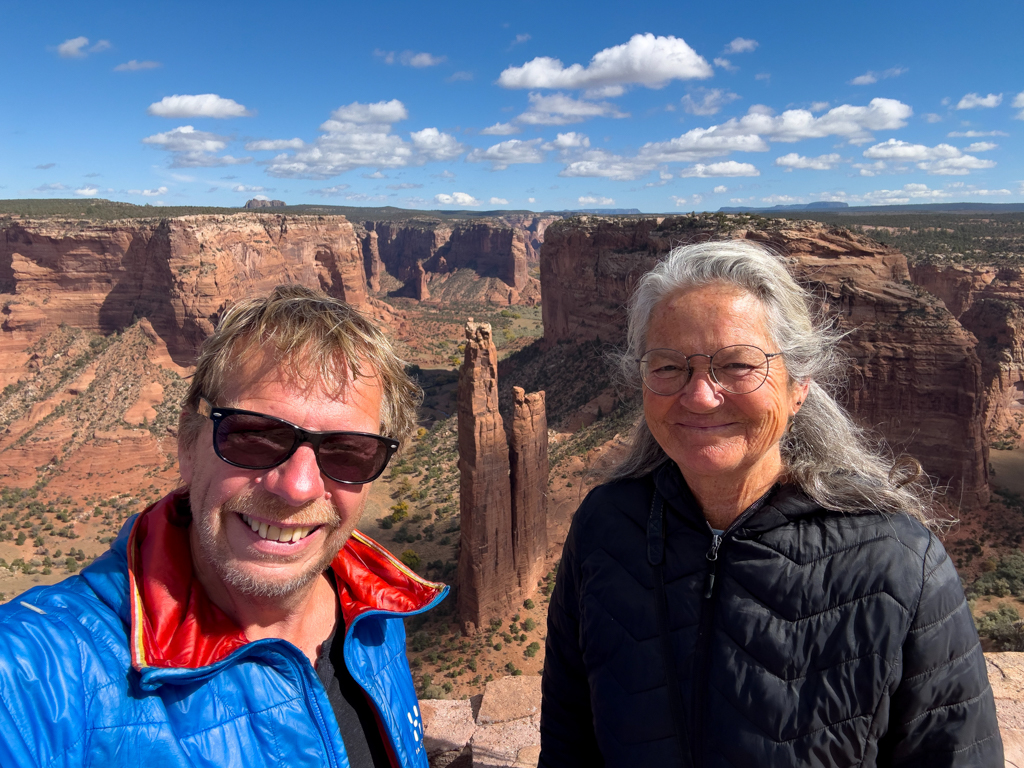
(560, 109)
(820, 163)
(741, 45)
(199, 105)
(591, 200)
(713, 170)
(940, 160)
(456, 198)
(135, 66)
(410, 58)
(1018, 103)
(506, 153)
(870, 78)
(194, 149)
(79, 48)
(708, 101)
(974, 101)
(359, 135)
(149, 192)
(644, 60)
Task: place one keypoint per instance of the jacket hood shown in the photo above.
(174, 624)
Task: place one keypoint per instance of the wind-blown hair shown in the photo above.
(832, 459)
(314, 339)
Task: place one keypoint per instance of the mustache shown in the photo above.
(266, 506)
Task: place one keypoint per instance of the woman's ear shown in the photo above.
(798, 394)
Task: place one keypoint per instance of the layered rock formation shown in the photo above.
(179, 273)
(988, 302)
(503, 539)
(528, 454)
(916, 374)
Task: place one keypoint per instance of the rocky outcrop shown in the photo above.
(178, 273)
(989, 302)
(916, 374)
(528, 454)
(257, 203)
(503, 510)
(487, 576)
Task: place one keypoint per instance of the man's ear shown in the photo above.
(185, 459)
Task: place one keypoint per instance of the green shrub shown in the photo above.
(529, 625)
(531, 650)
(411, 559)
(1003, 627)
(528, 605)
(1007, 578)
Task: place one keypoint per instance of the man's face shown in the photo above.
(270, 532)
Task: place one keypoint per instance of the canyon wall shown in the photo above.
(989, 302)
(503, 483)
(180, 273)
(916, 375)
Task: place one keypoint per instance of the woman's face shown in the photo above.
(713, 435)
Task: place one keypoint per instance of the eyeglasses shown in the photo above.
(739, 369)
(253, 440)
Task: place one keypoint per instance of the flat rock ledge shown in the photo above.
(500, 728)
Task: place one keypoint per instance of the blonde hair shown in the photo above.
(317, 339)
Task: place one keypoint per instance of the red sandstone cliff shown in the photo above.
(179, 273)
(916, 373)
(989, 302)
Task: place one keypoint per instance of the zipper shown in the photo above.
(712, 558)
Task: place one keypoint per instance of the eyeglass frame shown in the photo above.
(711, 368)
(217, 414)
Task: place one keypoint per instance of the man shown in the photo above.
(241, 620)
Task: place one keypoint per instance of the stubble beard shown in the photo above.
(212, 545)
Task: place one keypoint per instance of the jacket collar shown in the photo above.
(175, 625)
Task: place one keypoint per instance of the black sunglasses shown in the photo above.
(253, 440)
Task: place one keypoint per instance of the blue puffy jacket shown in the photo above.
(130, 664)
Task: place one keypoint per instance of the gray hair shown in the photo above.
(832, 459)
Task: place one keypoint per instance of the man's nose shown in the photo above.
(298, 480)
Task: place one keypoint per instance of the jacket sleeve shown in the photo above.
(567, 735)
(942, 714)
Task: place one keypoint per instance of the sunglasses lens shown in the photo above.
(253, 441)
(353, 458)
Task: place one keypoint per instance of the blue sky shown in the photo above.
(675, 106)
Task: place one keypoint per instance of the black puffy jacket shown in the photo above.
(801, 637)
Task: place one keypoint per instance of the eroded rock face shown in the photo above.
(988, 302)
(503, 502)
(487, 574)
(916, 375)
(179, 273)
(528, 454)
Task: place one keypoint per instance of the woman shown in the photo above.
(755, 586)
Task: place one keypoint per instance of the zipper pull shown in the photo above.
(712, 558)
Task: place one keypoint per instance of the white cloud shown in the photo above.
(720, 189)
(135, 66)
(148, 192)
(741, 45)
(499, 200)
(404, 185)
(334, 191)
(560, 109)
(710, 101)
(931, 117)
(819, 106)
(973, 101)
(850, 122)
(454, 77)
(200, 105)
(194, 149)
(513, 151)
(781, 200)
(531, 200)
(820, 163)
(76, 48)
(45, 166)
(247, 188)
(570, 140)
(766, 76)
(589, 200)
(598, 163)
(727, 168)
(974, 134)
(940, 160)
(410, 58)
(725, 64)
(520, 39)
(457, 198)
(359, 197)
(869, 78)
(375, 175)
(87, 191)
(274, 145)
(700, 143)
(1018, 103)
(359, 136)
(50, 188)
(432, 145)
(645, 60)
(981, 146)
(687, 201)
(500, 129)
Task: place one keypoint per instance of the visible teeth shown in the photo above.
(277, 533)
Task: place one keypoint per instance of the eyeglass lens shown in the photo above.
(254, 441)
(738, 369)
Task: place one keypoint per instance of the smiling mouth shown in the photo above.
(285, 535)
